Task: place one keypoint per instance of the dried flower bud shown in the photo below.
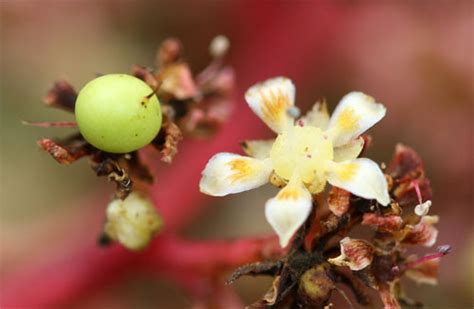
(132, 222)
(357, 254)
(423, 208)
(423, 233)
(315, 288)
(219, 46)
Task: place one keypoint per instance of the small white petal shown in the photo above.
(259, 149)
(356, 113)
(361, 177)
(288, 210)
(133, 221)
(423, 208)
(270, 100)
(318, 116)
(219, 46)
(227, 173)
(349, 151)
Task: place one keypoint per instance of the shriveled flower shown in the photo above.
(133, 221)
(357, 254)
(306, 154)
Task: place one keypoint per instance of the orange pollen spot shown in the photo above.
(274, 106)
(348, 120)
(288, 194)
(240, 169)
(348, 171)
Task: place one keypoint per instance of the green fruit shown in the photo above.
(118, 113)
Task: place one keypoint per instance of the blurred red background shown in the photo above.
(416, 58)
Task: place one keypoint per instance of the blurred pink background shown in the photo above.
(415, 57)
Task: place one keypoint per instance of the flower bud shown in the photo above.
(219, 46)
(315, 288)
(132, 222)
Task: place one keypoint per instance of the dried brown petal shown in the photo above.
(167, 140)
(407, 172)
(388, 297)
(389, 223)
(423, 233)
(107, 166)
(405, 193)
(170, 51)
(426, 272)
(270, 296)
(63, 154)
(177, 81)
(62, 95)
(406, 163)
(145, 75)
(355, 253)
(338, 201)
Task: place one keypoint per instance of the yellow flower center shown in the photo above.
(304, 150)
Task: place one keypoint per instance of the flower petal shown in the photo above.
(259, 149)
(270, 100)
(424, 233)
(318, 116)
(227, 173)
(133, 221)
(361, 177)
(355, 114)
(426, 272)
(349, 151)
(357, 254)
(288, 210)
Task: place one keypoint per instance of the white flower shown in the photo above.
(133, 221)
(306, 154)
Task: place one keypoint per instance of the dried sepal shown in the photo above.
(170, 51)
(109, 167)
(62, 95)
(423, 233)
(270, 297)
(425, 272)
(146, 75)
(388, 297)
(167, 140)
(356, 254)
(406, 169)
(176, 81)
(338, 201)
(64, 154)
(390, 223)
